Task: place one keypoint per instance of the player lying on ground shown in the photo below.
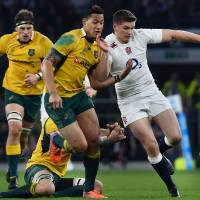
(47, 166)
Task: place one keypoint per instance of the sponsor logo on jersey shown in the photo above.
(128, 50)
(113, 45)
(85, 64)
(31, 52)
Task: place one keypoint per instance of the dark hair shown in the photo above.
(94, 9)
(24, 16)
(123, 16)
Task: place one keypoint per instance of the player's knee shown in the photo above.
(15, 130)
(151, 146)
(176, 139)
(45, 189)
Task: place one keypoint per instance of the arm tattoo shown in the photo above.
(55, 58)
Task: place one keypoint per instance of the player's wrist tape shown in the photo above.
(117, 78)
(39, 75)
(104, 140)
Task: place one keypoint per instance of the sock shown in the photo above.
(13, 152)
(91, 167)
(75, 191)
(21, 192)
(161, 168)
(24, 138)
(63, 183)
(164, 144)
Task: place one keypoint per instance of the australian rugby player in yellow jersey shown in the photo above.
(77, 53)
(44, 177)
(25, 50)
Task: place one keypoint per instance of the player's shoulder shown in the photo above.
(71, 37)
(8, 37)
(41, 37)
(110, 38)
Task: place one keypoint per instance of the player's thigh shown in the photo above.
(89, 124)
(13, 103)
(142, 130)
(168, 122)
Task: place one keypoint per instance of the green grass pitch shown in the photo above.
(136, 185)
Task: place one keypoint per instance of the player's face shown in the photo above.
(124, 31)
(25, 32)
(93, 25)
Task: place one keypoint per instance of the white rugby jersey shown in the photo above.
(140, 79)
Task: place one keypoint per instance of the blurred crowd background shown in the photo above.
(175, 66)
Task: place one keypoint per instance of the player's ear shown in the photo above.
(84, 21)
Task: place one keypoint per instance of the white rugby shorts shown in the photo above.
(137, 107)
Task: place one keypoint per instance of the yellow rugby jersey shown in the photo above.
(24, 59)
(81, 56)
(41, 154)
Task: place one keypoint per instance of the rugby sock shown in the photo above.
(75, 191)
(13, 152)
(91, 163)
(164, 144)
(24, 138)
(160, 163)
(21, 192)
(63, 183)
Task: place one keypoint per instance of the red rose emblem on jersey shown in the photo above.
(128, 50)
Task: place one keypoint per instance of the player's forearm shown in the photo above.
(48, 76)
(96, 84)
(180, 35)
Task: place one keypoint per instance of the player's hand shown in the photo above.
(31, 79)
(116, 134)
(90, 92)
(55, 100)
(126, 70)
(102, 43)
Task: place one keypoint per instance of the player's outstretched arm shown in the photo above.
(96, 84)
(180, 35)
(112, 134)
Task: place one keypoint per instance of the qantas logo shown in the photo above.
(85, 64)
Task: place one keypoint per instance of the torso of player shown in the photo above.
(40, 155)
(24, 59)
(82, 56)
(140, 79)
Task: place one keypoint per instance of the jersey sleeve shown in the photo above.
(65, 44)
(3, 44)
(47, 45)
(152, 36)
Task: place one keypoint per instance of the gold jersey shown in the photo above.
(41, 156)
(24, 59)
(80, 56)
